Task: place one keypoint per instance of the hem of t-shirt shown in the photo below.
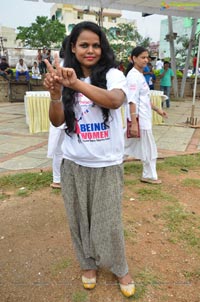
(96, 164)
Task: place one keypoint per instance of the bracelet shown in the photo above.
(56, 101)
(133, 113)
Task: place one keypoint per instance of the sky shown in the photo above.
(14, 13)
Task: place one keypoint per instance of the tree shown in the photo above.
(44, 32)
(123, 38)
(182, 48)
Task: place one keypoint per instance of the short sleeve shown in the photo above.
(133, 88)
(116, 80)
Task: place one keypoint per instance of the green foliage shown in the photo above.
(156, 72)
(183, 43)
(43, 32)
(124, 38)
(179, 74)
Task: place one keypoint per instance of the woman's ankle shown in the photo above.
(90, 273)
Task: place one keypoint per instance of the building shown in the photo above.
(71, 15)
(8, 39)
(68, 15)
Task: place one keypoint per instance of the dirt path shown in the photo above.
(37, 261)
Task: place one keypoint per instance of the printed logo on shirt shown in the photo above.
(89, 132)
(83, 100)
(94, 132)
(133, 87)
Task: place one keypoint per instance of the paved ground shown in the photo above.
(20, 150)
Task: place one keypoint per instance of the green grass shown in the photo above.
(80, 296)
(134, 168)
(183, 225)
(192, 274)
(130, 182)
(62, 265)
(3, 196)
(130, 232)
(29, 181)
(153, 193)
(143, 280)
(191, 182)
(23, 192)
(180, 164)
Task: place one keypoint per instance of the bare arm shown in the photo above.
(60, 76)
(159, 111)
(134, 121)
(112, 99)
(56, 112)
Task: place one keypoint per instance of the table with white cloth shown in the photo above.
(37, 110)
(157, 97)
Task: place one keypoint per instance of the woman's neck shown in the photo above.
(140, 69)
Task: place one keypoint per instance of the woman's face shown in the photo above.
(87, 50)
(141, 61)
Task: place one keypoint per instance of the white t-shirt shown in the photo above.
(159, 65)
(99, 146)
(21, 68)
(139, 94)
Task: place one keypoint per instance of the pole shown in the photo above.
(101, 17)
(191, 43)
(172, 53)
(195, 83)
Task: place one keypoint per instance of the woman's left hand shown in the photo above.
(162, 113)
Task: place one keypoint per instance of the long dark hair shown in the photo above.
(98, 72)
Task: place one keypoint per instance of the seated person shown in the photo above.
(22, 69)
(4, 69)
(35, 71)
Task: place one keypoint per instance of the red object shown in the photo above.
(194, 61)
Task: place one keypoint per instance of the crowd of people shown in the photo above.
(21, 69)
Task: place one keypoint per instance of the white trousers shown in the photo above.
(57, 158)
(56, 137)
(149, 169)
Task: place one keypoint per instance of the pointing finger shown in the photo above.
(49, 66)
(57, 65)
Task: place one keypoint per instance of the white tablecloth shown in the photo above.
(37, 110)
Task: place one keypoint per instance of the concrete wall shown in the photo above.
(12, 91)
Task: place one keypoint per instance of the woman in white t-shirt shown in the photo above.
(87, 94)
(142, 146)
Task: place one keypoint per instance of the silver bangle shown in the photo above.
(56, 101)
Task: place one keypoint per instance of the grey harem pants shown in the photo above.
(92, 198)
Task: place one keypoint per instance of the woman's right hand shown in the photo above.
(134, 131)
(52, 79)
